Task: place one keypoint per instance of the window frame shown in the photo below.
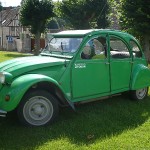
(134, 57)
(124, 42)
(92, 38)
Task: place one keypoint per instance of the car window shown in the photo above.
(118, 48)
(135, 49)
(94, 49)
(63, 45)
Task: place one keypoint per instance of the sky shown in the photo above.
(7, 3)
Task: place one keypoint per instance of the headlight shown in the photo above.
(2, 78)
(5, 77)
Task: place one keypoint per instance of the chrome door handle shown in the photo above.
(107, 63)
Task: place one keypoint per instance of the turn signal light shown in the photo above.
(7, 98)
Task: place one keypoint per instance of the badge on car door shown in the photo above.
(80, 65)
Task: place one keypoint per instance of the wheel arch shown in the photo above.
(20, 86)
(52, 88)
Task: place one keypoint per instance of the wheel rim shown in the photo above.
(141, 93)
(38, 110)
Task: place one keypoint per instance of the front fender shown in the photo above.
(19, 87)
(140, 77)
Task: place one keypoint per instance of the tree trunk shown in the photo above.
(147, 47)
(37, 43)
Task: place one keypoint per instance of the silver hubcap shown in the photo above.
(38, 110)
(141, 93)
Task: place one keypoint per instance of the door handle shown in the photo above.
(107, 63)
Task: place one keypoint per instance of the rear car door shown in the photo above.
(120, 64)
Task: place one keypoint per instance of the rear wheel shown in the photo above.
(38, 108)
(139, 94)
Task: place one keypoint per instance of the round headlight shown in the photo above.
(2, 78)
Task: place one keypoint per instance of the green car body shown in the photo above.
(75, 66)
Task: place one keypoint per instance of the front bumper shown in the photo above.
(3, 113)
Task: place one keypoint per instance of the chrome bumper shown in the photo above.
(3, 113)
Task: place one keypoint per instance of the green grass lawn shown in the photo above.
(112, 124)
(5, 55)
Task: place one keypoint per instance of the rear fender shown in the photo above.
(140, 77)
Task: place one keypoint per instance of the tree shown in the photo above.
(35, 14)
(114, 15)
(84, 14)
(136, 15)
(136, 19)
(1, 7)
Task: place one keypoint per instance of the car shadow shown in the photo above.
(92, 121)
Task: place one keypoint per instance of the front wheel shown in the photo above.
(38, 108)
(139, 94)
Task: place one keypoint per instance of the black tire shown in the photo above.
(37, 108)
(139, 94)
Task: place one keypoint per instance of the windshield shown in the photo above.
(63, 45)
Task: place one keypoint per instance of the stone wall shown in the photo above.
(23, 44)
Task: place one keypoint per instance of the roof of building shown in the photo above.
(8, 15)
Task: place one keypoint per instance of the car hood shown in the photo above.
(26, 64)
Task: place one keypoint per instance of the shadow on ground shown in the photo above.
(92, 121)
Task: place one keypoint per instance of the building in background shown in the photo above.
(13, 36)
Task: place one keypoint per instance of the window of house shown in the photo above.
(12, 28)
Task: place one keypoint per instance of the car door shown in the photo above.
(90, 71)
(120, 64)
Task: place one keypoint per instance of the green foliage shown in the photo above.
(115, 10)
(136, 16)
(57, 10)
(35, 13)
(59, 18)
(84, 14)
(53, 24)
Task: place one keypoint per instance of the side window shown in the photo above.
(118, 48)
(135, 49)
(95, 49)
